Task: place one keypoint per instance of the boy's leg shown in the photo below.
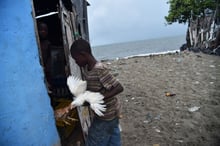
(100, 132)
(115, 139)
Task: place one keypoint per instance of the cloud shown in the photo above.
(128, 20)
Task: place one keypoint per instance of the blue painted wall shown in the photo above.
(26, 117)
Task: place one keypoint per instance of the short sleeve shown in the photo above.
(107, 79)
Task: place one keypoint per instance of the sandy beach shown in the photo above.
(171, 99)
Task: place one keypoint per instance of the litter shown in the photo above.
(196, 82)
(119, 126)
(157, 117)
(149, 118)
(169, 94)
(197, 73)
(157, 130)
(179, 60)
(109, 63)
(146, 121)
(193, 109)
(213, 78)
(180, 141)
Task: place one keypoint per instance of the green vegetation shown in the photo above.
(182, 10)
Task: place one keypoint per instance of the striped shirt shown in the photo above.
(100, 80)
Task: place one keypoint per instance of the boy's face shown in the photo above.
(43, 31)
(80, 59)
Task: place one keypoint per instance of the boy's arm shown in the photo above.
(114, 91)
(111, 85)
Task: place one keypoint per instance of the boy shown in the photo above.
(44, 42)
(104, 129)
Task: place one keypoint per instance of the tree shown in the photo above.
(182, 10)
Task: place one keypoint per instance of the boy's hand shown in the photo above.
(62, 112)
(63, 115)
(76, 85)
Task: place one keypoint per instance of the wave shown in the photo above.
(149, 54)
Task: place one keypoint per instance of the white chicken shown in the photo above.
(76, 85)
(78, 88)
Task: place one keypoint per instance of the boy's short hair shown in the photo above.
(80, 45)
(41, 24)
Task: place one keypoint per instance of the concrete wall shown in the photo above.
(26, 117)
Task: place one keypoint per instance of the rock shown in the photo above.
(207, 51)
(183, 47)
(217, 51)
(195, 49)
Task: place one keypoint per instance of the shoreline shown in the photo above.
(143, 55)
(153, 54)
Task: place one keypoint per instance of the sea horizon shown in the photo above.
(146, 47)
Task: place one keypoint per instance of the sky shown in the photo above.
(116, 21)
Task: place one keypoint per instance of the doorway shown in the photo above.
(53, 55)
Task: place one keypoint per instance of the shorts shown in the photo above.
(104, 133)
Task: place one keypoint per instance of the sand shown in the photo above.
(191, 117)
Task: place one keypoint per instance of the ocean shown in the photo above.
(138, 48)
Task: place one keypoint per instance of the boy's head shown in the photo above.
(80, 51)
(43, 30)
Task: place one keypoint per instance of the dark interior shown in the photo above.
(56, 78)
